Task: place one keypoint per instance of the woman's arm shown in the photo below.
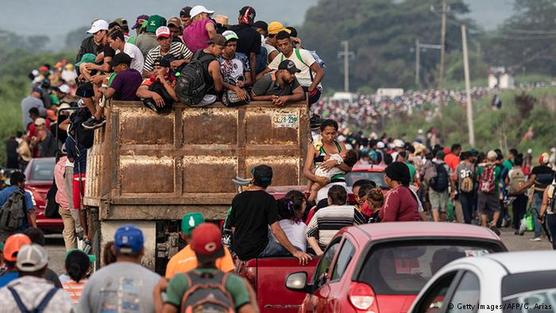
(308, 167)
(544, 204)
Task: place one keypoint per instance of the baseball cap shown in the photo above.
(120, 58)
(185, 12)
(262, 174)
(87, 58)
(191, 220)
(492, 155)
(289, 66)
(64, 88)
(40, 121)
(163, 32)
(198, 9)
(139, 21)
(261, 24)
(13, 244)
(544, 158)
(206, 242)
(230, 35)
(128, 239)
(218, 40)
(247, 15)
(31, 258)
(174, 20)
(85, 90)
(154, 22)
(98, 25)
(275, 27)
(380, 145)
(120, 21)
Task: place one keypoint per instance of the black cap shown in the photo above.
(185, 12)
(247, 15)
(120, 58)
(261, 24)
(289, 66)
(85, 90)
(164, 61)
(262, 175)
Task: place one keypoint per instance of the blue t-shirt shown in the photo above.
(7, 277)
(7, 192)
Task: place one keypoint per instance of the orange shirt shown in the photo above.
(452, 161)
(185, 261)
(74, 289)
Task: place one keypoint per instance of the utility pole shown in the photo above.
(418, 47)
(347, 55)
(443, 46)
(417, 63)
(470, 126)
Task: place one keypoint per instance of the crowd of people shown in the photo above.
(367, 111)
(198, 58)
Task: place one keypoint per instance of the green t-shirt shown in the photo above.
(412, 171)
(179, 285)
(507, 164)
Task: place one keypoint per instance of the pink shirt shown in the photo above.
(195, 36)
(59, 170)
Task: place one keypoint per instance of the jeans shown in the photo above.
(537, 200)
(467, 201)
(519, 206)
(273, 248)
(550, 220)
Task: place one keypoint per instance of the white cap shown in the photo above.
(31, 258)
(40, 121)
(398, 143)
(380, 145)
(64, 88)
(198, 9)
(98, 25)
(492, 155)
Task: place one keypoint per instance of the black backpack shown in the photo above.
(207, 293)
(194, 82)
(84, 137)
(440, 182)
(51, 210)
(13, 213)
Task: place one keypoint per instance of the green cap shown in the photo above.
(154, 22)
(87, 58)
(190, 221)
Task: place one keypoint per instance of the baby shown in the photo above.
(349, 158)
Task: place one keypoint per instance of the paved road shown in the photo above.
(56, 251)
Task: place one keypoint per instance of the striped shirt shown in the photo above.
(329, 220)
(72, 288)
(177, 49)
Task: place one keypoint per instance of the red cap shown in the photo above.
(163, 32)
(206, 242)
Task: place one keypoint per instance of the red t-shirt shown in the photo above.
(452, 161)
(399, 206)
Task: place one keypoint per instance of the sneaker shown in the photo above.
(495, 229)
(93, 123)
(535, 239)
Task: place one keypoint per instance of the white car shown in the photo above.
(510, 282)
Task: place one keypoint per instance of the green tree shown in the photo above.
(382, 34)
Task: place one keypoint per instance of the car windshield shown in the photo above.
(42, 169)
(529, 292)
(404, 268)
(377, 177)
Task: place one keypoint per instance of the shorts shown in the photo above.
(488, 202)
(78, 190)
(439, 200)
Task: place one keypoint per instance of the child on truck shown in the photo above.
(348, 157)
(291, 209)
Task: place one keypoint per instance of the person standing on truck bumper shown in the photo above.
(251, 214)
(185, 260)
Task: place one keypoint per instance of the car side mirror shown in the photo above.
(297, 282)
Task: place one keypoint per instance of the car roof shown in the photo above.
(387, 230)
(522, 261)
(368, 168)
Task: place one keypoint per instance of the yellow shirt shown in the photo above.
(185, 261)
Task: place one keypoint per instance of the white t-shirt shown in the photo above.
(137, 59)
(304, 77)
(296, 233)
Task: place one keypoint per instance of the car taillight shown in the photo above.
(362, 297)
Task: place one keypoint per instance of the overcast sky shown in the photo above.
(58, 17)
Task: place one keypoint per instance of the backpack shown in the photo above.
(207, 293)
(51, 210)
(317, 58)
(13, 213)
(467, 184)
(193, 82)
(486, 180)
(440, 182)
(39, 308)
(84, 137)
(517, 179)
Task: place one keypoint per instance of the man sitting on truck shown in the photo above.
(185, 260)
(251, 214)
(280, 87)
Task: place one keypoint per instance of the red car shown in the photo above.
(382, 267)
(40, 176)
(373, 173)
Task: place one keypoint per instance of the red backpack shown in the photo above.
(487, 182)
